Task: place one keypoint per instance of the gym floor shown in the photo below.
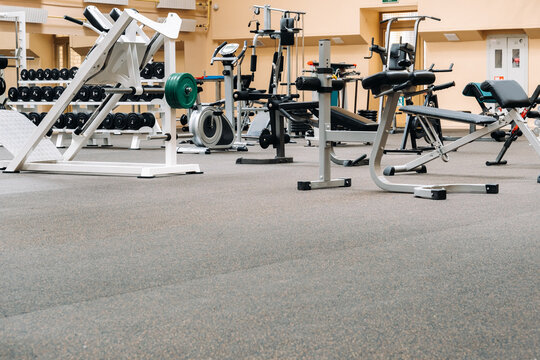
(236, 263)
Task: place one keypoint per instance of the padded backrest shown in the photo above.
(380, 80)
(507, 93)
(473, 89)
(396, 55)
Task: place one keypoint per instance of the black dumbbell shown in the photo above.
(48, 93)
(71, 120)
(47, 74)
(24, 74)
(120, 121)
(31, 74)
(134, 98)
(55, 74)
(135, 121)
(157, 95)
(158, 70)
(82, 118)
(149, 119)
(60, 122)
(24, 93)
(13, 94)
(64, 74)
(147, 71)
(57, 92)
(83, 94)
(35, 118)
(108, 122)
(97, 93)
(184, 119)
(73, 72)
(40, 75)
(2, 86)
(36, 94)
(3, 63)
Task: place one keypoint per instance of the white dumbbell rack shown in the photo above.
(154, 106)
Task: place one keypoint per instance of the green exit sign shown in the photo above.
(389, 1)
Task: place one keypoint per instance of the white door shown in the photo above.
(508, 59)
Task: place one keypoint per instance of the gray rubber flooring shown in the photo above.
(236, 263)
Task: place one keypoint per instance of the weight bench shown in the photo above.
(507, 93)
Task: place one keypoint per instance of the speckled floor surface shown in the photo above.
(237, 264)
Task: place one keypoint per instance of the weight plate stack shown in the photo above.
(181, 90)
(120, 121)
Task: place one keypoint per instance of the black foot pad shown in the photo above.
(492, 188)
(304, 185)
(439, 194)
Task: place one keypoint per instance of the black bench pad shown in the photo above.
(350, 120)
(378, 81)
(508, 93)
(448, 115)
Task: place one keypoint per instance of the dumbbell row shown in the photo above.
(116, 121)
(153, 70)
(85, 94)
(48, 74)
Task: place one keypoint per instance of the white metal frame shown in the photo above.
(117, 55)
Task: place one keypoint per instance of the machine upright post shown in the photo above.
(324, 110)
(169, 121)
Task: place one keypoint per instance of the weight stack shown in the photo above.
(368, 114)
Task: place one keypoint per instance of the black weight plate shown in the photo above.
(48, 93)
(97, 93)
(73, 72)
(82, 118)
(158, 70)
(57, 91)
(24, 74)
(36, 94)
(31, 74)
(13, 94)
(60, 122)
(108, 122)
(146, 72)
(184, 119)
(120, 121)
(35, 118)
(47, 74)
(265, 139)
(24, 93)
(135, 121)
(71, 120)
(64, 74)
(40, 74)
(149, 119)
(55, 74)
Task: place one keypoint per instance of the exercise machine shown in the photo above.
(212, 126)
(119, 54)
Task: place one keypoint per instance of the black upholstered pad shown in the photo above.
(448, 114)
(508, 93)
(377, 81)
(350, 120)
(422, 77)
(473, 89)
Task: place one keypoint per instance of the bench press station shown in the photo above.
(117, 57)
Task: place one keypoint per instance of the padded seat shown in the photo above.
(507, 93)
(349, 120)
(377, 81)
(459, 116)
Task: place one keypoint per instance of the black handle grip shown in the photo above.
(444, 86)
(73, 20)
(253, 66)
(248, 95)
(219, 48)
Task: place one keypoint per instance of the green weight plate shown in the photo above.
(181, 90)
